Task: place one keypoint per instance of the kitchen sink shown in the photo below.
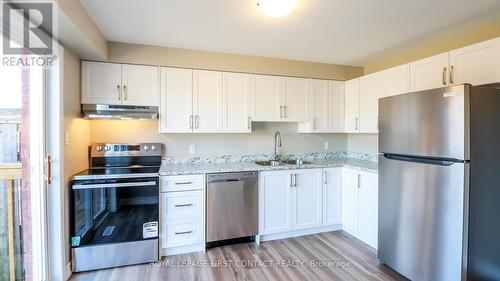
(283, 162)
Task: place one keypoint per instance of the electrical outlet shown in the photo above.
(327, 145)
(192, 149)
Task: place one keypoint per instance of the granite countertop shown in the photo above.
(170, 169)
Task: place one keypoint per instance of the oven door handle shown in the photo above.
(105, 185)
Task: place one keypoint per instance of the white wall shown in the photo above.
(259, 141)
(362, 143)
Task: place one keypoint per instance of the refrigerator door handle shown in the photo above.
(416, 159)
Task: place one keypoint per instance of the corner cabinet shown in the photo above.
(119, 84)
(360, 205)
(202, 101)
(277, 98)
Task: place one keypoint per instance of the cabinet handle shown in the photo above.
(294, 180)
(314, 123)
(284, 111)
(291, 180)
(249, 123)
(183, 205)
(357, 121)
(452, 75)
(183, 232)
(359, 181)
(119, 92)
(190, 121)
(184, 183)
(125, 94)
(196, 122)
(326, 178)
(444, 75)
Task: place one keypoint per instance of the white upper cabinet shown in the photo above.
(207, 101)
(477, 64)
(307, 189)
(266, 94)
(369, 92)
(429, 73)
(101, 83)
(236, 103)
(395, 81)
(116, 84)
(351, 114)
(140, 84)
(332, 196)
(336, 106)
(294, 98)
(176, 100)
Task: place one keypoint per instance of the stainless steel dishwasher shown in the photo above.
(232, 207)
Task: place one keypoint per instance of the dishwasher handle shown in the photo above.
(231, 177)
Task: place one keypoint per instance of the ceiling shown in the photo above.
(331, 31)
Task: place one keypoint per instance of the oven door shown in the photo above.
(114, 211)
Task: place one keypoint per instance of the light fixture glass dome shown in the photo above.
(277, 8)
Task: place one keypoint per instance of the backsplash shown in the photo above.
(171, 160)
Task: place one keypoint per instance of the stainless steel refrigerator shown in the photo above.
(439, 183)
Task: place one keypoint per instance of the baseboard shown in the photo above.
(67, 271)
(182, 250)
(302, 232)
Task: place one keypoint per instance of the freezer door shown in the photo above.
(427, 123)
(421, 218)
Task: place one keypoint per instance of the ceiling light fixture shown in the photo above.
(277, 8)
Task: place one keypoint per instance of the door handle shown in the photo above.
(119, 92)
(125, 94)
(444, 75)
(452, 74)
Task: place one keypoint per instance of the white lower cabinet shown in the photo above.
(306, 194)
(332, 196)
(275, 202)
(182, 214)
(360, 205)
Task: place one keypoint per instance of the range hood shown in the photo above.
(105, 111)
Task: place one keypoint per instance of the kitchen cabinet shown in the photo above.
(332, 196)
(278, 98)
(429, 73)
(207, 101)
(369, 92)
(395, 80)
(117, 84)
(476, 64)
(176, 100)
(360, 205)
(236, 103)
(289, 200)
(325, 107)
(351, 110)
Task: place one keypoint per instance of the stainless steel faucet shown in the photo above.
(277, 143)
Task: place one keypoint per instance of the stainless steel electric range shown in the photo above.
(115, 205)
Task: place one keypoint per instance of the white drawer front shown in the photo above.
(182, 205)
(177, 234)
(180, 183)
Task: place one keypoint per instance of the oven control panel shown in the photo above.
(118, 149)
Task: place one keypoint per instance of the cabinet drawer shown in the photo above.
(179, 183)
(181, 233)
(182, 205)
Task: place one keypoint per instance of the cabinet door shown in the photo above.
(429, 73)
(350, 203)
(307, 198)
(369, 92)
(336, 107)
(207, 101)
(140, 85)
(294, 98)
(101, 83)
(351, 106)
(476, 64)
(176, 100)
(236, 103)
(332, 196)
(368, 209)
(395, 81)
(266, 94)
(320, 101)
(275, 211)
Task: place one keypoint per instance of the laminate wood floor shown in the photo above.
(326, 256)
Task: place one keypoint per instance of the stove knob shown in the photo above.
(98, 148)
(107, 148)
(146, 148)
(154, 147)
